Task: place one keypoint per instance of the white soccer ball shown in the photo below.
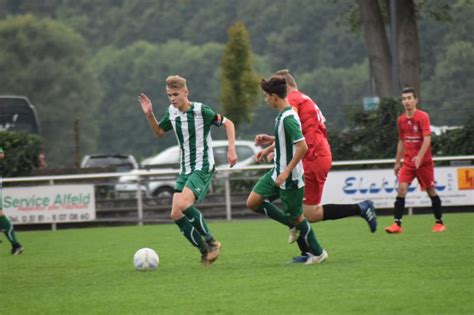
(146, 259)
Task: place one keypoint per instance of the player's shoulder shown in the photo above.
(422, 114)
(402, 117)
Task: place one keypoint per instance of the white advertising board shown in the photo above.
(49, 204)
(455, 186)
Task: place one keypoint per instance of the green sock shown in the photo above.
(307, 234)
(7, 228)
(191, 234)
(197, 220)
(271, 211)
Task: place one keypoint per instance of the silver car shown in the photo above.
(169, 160)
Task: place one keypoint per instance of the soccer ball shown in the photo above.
(146, 259)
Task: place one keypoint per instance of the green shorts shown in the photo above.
(291, 199)
(197, 181)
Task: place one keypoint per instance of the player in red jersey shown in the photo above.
(415, 147)
(316, 163)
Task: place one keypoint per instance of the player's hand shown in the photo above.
(264, 139)
(396, 168)
(145, 103)
(282, 178)
(417, 161)
(260, 156)
(231, 157)
(270, 157)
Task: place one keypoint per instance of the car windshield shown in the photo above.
(117, 163)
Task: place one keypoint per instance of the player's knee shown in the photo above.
(252, 202)
(176, 214)
(402, 192)
(183, 204)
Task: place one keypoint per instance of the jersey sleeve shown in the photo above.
(293, 129)
(211, 117)
(165, 122)
(425, 125)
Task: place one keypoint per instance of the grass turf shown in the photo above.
(89, 271)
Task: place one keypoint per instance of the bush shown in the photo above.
(21, 153)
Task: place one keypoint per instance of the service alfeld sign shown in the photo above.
(455, 186)
(49, 204)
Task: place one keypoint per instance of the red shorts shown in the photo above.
(424, 174)
(315, 173)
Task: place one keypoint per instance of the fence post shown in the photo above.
(228, 205)
(139, 201)
(53, 225)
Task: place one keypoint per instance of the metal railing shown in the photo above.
(140, 176)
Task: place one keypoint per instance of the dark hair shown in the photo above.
(409, 90)
(285, 73)
(274, 85)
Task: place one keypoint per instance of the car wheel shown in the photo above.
(163, 192)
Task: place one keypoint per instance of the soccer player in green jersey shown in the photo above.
(191, 123)
(286, 179)
(5, 224)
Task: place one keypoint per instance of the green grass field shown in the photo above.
(89, 271)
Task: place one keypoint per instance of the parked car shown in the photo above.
(169, 159)
(110, 163)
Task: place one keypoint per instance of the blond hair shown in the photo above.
(175, 82)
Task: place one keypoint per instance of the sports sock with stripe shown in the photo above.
(197, 220)
(191, 234)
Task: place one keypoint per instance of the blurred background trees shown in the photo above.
(88, 60)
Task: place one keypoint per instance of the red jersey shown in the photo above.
(312, 123)
(411, 132)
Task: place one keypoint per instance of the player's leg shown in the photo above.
(291, 201)
(263, 191)
(405, 177)
(198, 182)
(425, 176)
(183, 198)
(315, 177)
(7, 228)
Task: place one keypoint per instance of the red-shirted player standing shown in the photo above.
(316, 163)
(415, 147)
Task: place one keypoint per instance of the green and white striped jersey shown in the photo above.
(287, 133)
(193, 132)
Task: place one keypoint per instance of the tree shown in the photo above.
(239, 84)
(449, 96)
(47, 62)
(373, 14)
(370, 135)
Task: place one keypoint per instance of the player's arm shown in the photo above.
(230, 132)
(424, 147)
(147, 108)
(262, 154)
(398, 157)
(264, 139)
(300, 149)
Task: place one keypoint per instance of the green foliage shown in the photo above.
(239, 82)
(48, 62)
(21, 153)
(333, 88)
(447, 98)
(456, 141)
(370, 135)
(144, 67)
